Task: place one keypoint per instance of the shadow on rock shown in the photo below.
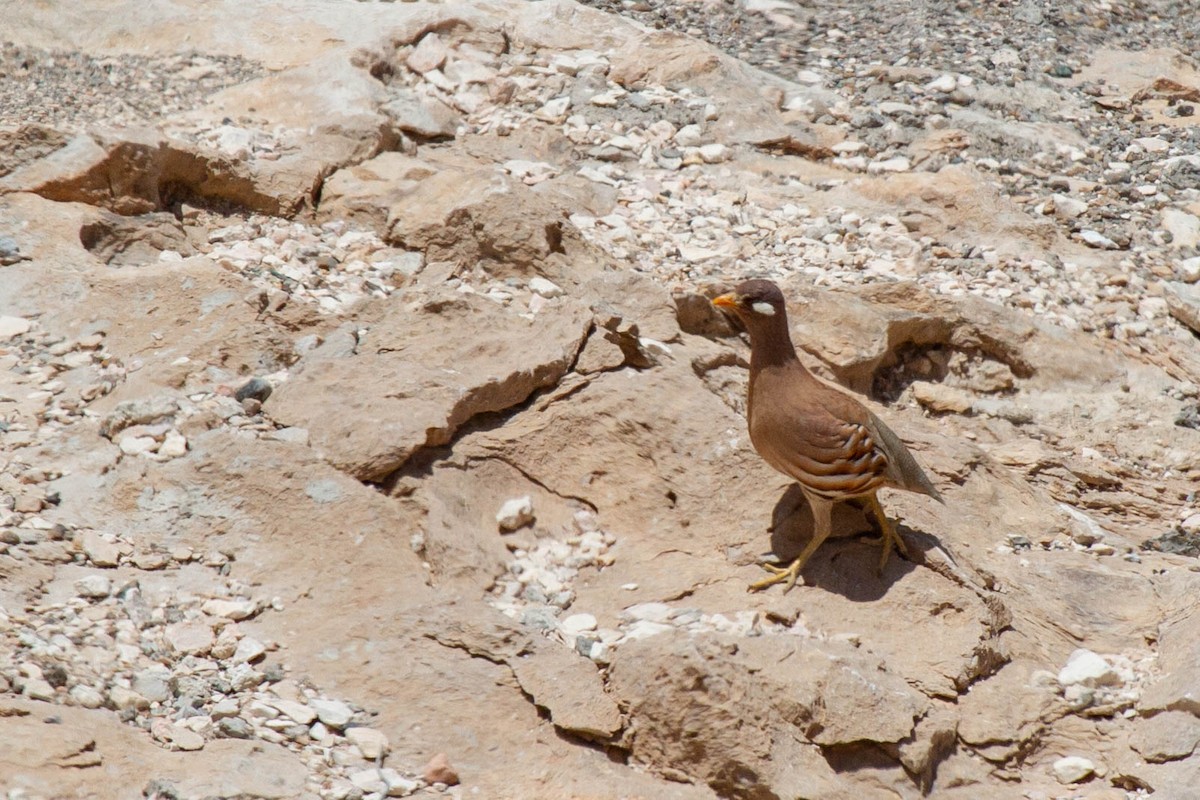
(849, 568)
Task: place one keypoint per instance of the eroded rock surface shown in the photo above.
(366, 430)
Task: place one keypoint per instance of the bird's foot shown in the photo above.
(789, 575)
(891, 538)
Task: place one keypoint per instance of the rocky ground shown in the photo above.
(366, 430)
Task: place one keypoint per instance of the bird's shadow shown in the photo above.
(848, 562)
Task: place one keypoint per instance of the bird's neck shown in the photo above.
(771, 346)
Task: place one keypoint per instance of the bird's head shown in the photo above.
(754, 302)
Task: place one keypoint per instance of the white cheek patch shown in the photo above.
(764, 308)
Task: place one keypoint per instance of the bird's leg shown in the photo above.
(822, 525)
(890, 537)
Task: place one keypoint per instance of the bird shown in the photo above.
(820, 436)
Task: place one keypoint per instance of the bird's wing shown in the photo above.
(827, 453)
(903, 470)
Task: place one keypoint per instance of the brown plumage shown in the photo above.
(829, 442)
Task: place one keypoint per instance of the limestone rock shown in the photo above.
(515, 513)
(474, 215)
(370, 742)
(1013, 707)
(1073, 769)
(821, 696)
(1167, 736)
(124, 172)
(417, 402)
(1184, 227)
(1177, 687)
(422, 117)
(333, 713)
(1183, 300)
(1087, 669)
(941, 398)
(570, 688)
(13, 326)
(439, 770)
(189, 637)
(100, 551)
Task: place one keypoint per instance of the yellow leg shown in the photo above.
(890, 537)
(822, 524)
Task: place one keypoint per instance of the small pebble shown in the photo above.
(370, 742)
(439, 770)
(515, 513)
(1073, 769)
(256, 388)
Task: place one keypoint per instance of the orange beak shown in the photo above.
(726, 302)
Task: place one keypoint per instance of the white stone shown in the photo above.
(1072, 769)
(577, 624)
(1068, 207)
(230, 609)
(299, 712)
(123, 699)
(1096, 239)
(248, 649)
(185, 739)
(714, 153)
(260, 711)
(852, 163)
(892, 108)
(607, 99)
(1189, 270)
(137, 445)
(38, 689)
(398, 785)
(463, 72)
(943, 84)
(1153, 144)
(13, 326)
(189, 638)
(370, 742)
(153, 683)
(652, 612)
(515, 513)
(1086, 668)
(644, 629)
(294, 435)
(243, 677)
(554, 110)
(848, 147)
(1184, 227)
(897, 164)
(341, 789)
(225, 708)
(689, 136)
(174, 445)
(545, 288)
(333, 713)
(93, 587)
(369, 780)
(429, 54)
(1191, 524)
(86, 696)
(99, 550)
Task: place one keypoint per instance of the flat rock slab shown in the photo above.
(570, 688)
(718, 703)
(416, 377)
(88, 742)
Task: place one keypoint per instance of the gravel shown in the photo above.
(74, 91)
(885, 77)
